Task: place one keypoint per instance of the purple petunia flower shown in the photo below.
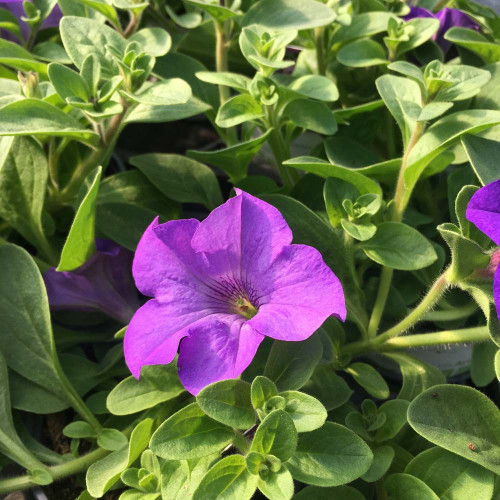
(484, 212)
(221, 286)
(448, 18)
(103, 284)
(16, 7)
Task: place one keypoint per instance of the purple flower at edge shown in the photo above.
(103, 284)
(448, 18)
(16, 8)
(221, 286)
(484, 212)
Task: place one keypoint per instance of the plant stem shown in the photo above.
(221, 65)
(281, 153)
(399, 204)
(433, 295)
(100, 156)
(57, 471)
(241, 442)
(477, 334)
(397, 215)
(382, 294)
(319, 41)
(451, 314)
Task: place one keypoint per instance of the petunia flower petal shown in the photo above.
(484, 210)
(418, 12)
(154, 333)
(217, 348)
(302, 292)
(164, 251)
(103, 284)
(450, 18)
(242, 236)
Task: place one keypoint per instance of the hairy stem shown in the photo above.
(477, 334)
(382, 294)
(319, 41)
(57, 471)
(427, 303)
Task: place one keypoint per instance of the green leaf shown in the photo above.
(240, 108)
(315, 87)
(337, 493)
(189, 433)
(157, 384)
(15, 56)
(39, 118)
(483, 154)
(163, 93)
(226, 480)
(432, 110)
(180, 178)
(395, 419)
(329, 388)
(233, 160)
(82, 37)
(423, 30)
(440, 136)
(459, 419)
(104, 8)
(472, 40)
(261, 391)
(68, 83)
(370, 379)
(335, 191)
(400, 95)
(497, 365)
(291, 364)
(276, 435)
(450, 476)
(408, 487)
(189, 20)
(417, 375)
(466, 255)
(228, 402)
(362, 25)
(23, 187)
(362, 53)
(467, 82)
(180, 478)
(307, 413)
(330, 456)
(10, 444)
(155, 41)
(26, 338)
(482, 368)
(277, 485)
(234, 80)
(399, 246)
(79, 430)
(111, 439)
(382, 460)
(361, 231)
(102, 475)
(288, 14)
(325, 169)
(218, 12)
(80, 242)
(312, 115)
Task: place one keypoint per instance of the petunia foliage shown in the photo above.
(250, 249)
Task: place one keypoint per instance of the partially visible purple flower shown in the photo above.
(448, 18)
(16, 7)
(221, 286)
(103, 284)
(484, 212)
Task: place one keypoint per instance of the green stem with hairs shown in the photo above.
(477, 334)
(319, 41)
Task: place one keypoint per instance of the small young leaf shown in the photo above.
(189, 433)
(228, 402)
(226, 480)
(276, 435)
(370, 379)
(408, 487)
